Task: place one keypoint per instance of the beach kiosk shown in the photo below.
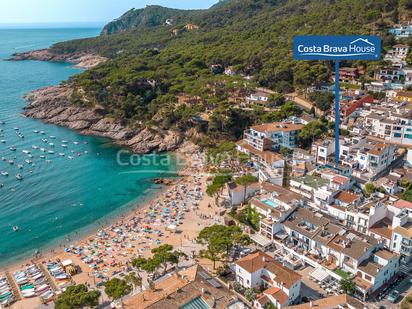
(69, 267)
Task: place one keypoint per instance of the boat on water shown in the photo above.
(51, 151)
(64, 141)
(19, 177)
(15, 228)
(35, 131)
(11, 162)
(52, 137)
(70, 157)
(42, 157)
(3, 141)
(25, 151)
(19, 166)
(3, 159)
(42, 132)
(44, 140)
(2, 122)
(13, 148)
(4, 173)
(76, 143)
(42, 150)
(16, 129)
(62, 154)
(34, 147)
(51, 144)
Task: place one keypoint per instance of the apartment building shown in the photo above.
(275, 204)
(402, 237)
(390, 122)
(402, 31)
(319, 191)
(272, 136)
(398, 51)
(376, 271)
(392, 73)
(303, 161)
(323, 150)
(404, 96)
(270, 165)
(281, 285)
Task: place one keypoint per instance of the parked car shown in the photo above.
(245, 251)
(393, 296)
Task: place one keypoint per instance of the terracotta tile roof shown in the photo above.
(382, 228)
(340, 179)
(258, 260)
(386, 254)
(407, 94)
(284, 275)
(268, 156)
(363, 284)
(239, 188)
(302, 215)
(277, 127)
(377, 149)
(277, 294)
(282, 193)
(354, 248)
(370, 267)
(254, 261)
(400, 46)
(178, 290)
(332, 302)
(405, 231)
(263, 300)
(403, 204)
(347, 197)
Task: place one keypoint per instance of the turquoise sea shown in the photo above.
(59, 198)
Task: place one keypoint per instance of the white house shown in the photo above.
(282, 285)
(239, 194)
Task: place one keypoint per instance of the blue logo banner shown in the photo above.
(351, 47)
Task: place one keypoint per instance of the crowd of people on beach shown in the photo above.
(174, 217)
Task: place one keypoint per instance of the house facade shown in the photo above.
(281, 285)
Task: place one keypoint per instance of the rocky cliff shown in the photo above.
(82, 60)
(52, 105)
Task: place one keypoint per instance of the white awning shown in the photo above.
(67, 263)
(319, 274)
(261, 240)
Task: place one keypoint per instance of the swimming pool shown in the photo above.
(269, 203)
(197, 303)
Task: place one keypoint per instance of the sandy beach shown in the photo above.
(174, 217)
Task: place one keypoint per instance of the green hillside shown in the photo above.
(149, 17)
(149, 66)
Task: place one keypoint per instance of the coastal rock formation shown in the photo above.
(52, 105)
(81, 60)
